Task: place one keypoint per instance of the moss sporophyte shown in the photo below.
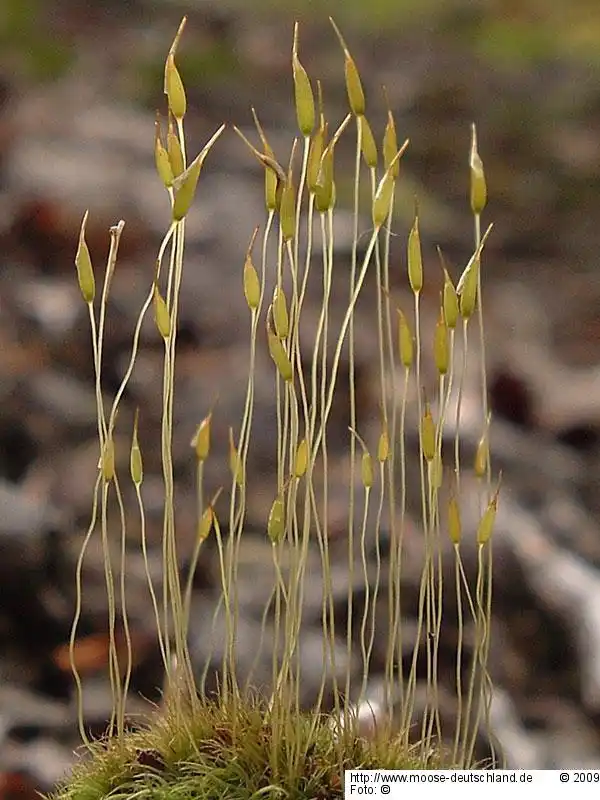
(247, 740)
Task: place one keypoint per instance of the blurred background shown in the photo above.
(79, 88)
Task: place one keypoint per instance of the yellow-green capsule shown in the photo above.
(287, 210)
(405, 341)
(383, 446)
(468, 285)
(481, 456)
(235, 462)
(354, 89)
(450, 302)
(436, 472)
(280, 313)
(301, 459)
(366, 470)
(272, 176)
(428, 434)
(486, 524)
(174, 89)
(280, 357)
(390, 146)
(107, 460)
(201, 440)
(251, 284)
(454, 521)
(136, 466)
(135, 458)
(415, 258)
(272, 193)
(161, 314)
(315, 153)
(303, 93)
(382, 202)
(161, 158)
(478, 186)
(356, 96)
(367, 143)
(83, 263)
(175, 152)
(482, 453)
(205, 524)
(276, 522)
(441, 345)
(185, 188)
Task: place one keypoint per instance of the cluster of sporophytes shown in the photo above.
(237, 743)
